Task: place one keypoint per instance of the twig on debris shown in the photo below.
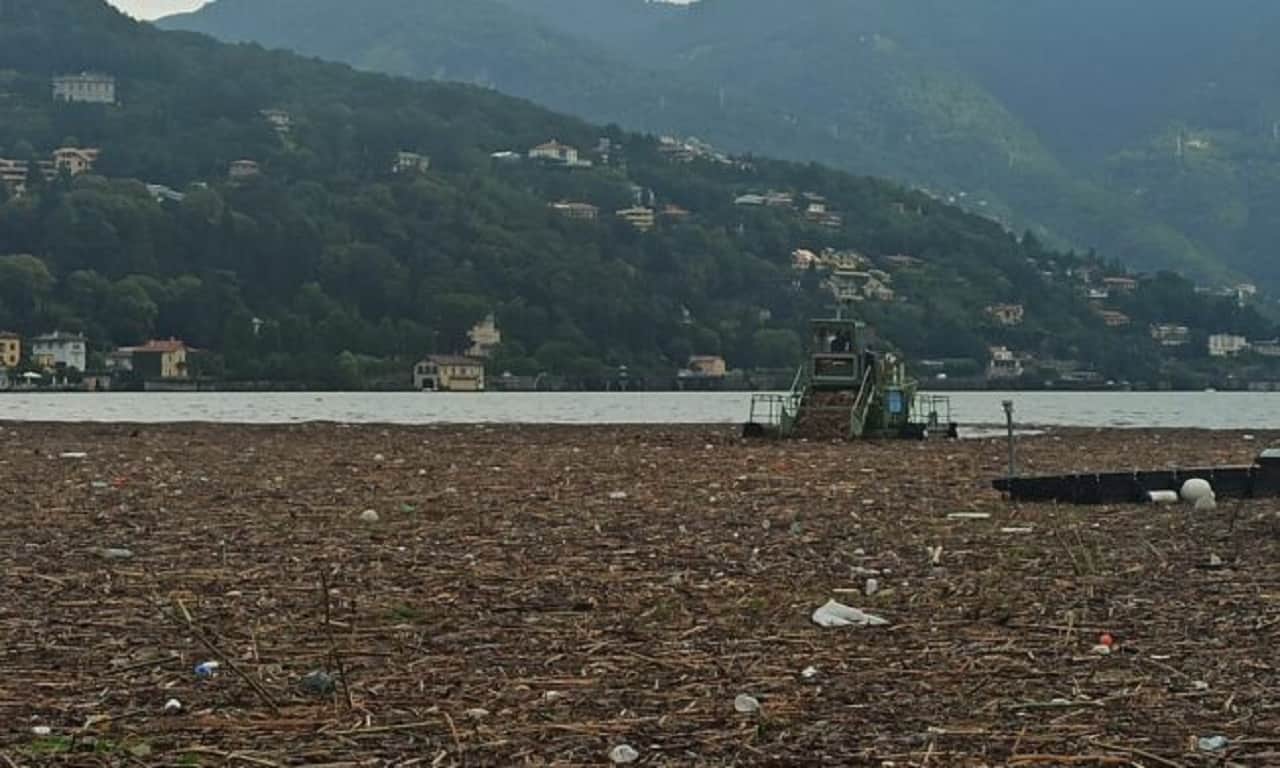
(226, 659)
(333, 645)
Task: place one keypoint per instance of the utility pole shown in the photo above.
(1008, 417)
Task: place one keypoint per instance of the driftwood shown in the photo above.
(539, 596)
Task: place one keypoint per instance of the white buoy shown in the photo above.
(1207, 503)
(1195, 489)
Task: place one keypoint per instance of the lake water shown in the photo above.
(1209, 410)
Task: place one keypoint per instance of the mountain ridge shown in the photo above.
(932, 94)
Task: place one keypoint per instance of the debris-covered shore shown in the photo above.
(498, 596)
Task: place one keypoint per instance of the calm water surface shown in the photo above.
(1084, 409)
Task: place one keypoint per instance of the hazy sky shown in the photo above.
(154, 9)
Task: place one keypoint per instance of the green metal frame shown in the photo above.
(879, 387)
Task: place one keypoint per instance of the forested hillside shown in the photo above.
(1059, 114)
(327, 267)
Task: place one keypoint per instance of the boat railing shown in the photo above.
(780, 410)
(862, 404)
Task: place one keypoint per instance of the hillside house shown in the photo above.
(60, 350)
(673, 212)
(817, 213)
(1227, 345)
(605, 149)
(876, 290)
(85, 88)
(1171, 334)
(560, 154)
(774, 199)
(484, 337)
(1267, 348)
(449, 373)
(75, 160)
(802, 259)
(280, 121)
(10, 350)
(846, 259)
(1114, 319)
(243, 170)
(1120, 284)
(642, 219)
(411, 162)
(1008, 315)
(578, 211)
(162, 194)
(13, 174)
(675, 150)
(903, 261)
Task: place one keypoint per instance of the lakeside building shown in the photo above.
(60, 350)
(10, 350)
(449, 373)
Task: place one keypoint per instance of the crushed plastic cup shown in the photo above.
(834, 614)
(623, 754)
(746, 705)
(207, 669)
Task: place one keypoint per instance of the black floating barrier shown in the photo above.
(1259, 480)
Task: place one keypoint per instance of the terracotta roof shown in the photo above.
(59, 336)
(158, 345)
(454, 360)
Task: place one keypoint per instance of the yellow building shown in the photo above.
(157, 359)
(449, 373)
(166, 357)
(10, 350)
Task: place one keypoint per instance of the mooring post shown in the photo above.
(1008, 417)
